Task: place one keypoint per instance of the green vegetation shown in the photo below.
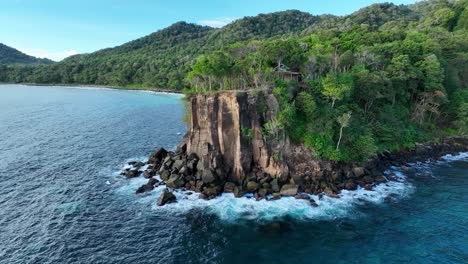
(381, 78)
(160, 60)
(11, 56)
(394, 76)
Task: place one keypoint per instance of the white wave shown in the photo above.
(231, 209)
(460, 156)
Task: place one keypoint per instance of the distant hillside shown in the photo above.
(162, 59)
(9, 55)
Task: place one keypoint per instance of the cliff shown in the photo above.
(228, 150)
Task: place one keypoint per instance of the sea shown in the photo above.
(62, 199)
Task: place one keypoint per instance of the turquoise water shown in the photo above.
(62, 200)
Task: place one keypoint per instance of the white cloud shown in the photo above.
(217, 23)
(53, 55)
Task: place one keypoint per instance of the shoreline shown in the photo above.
(178, 171)
(121, 88)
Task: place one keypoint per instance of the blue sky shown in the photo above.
(59, 28)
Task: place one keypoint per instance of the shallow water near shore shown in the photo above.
(62, 200)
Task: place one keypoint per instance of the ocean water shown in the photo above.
(62, 199)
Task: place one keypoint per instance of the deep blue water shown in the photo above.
(62, 201)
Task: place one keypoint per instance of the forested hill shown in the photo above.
(9, 55)
(163, 59)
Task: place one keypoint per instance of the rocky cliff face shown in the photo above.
(227, 150)
(226, 133)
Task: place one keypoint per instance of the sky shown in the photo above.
(56, 29)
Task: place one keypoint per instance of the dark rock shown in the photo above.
(252, 186)
(168, 162)
(182, 147)
(132, 173)
(351, 186)
(368, 179)
(165, 175)
(289, 190)
(276, 196)
(274, 185)
(175, 181)
(405, 168)
(212, 191)
(359, 171)
(145, 188)
(139, 164)
(368, 187)
(166, 197)
(230, 187)
(152, 181)
(313, 203)
(178, 164)
(261, 194)
(208, 176)
(302, 196)
(148, 174)
(158, 156)
(392, 177)
(380, 179)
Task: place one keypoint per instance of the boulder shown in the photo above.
(261, 194)
(132, 173)
(302, 196)
(208, 176)
(211, 192)
(152, 181)
(148, 174)
(392, 177)
(230, 187)
(274, 185)
(359, 171)
(252, 186)
(181, 148)
(166, 197)
(405, 168)
(178, 164)
(276, 196)
(145, 188)
(165, 174)
(368, 179)
(175, 181)
(158, 156)
(350, 186)
(313, 203)
(380, 179)
(289, 190)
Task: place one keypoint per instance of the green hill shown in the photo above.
(10, 56)
(163, 59)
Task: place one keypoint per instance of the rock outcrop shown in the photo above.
(227, 150)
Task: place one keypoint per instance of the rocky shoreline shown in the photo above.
(226, 150)
(180, 170)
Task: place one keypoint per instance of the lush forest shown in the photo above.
(9, 56)
(162, 59)
(387, 77)
(381, 78)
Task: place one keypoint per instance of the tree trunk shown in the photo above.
(339, 140)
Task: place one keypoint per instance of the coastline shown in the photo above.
(122, 88)
(180, 171)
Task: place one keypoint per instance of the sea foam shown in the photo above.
(231, 209)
